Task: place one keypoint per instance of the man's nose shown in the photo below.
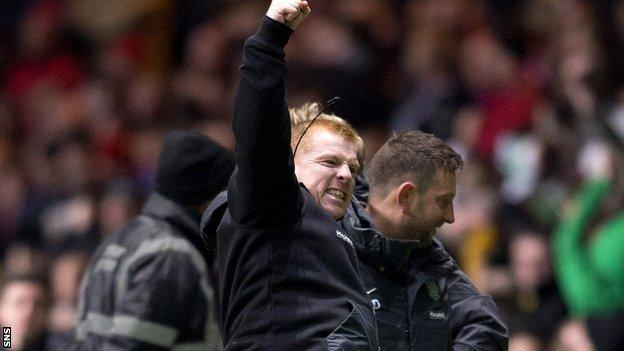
(344, 173)
(449, 215)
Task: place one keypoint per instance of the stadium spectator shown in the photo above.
(588, 255)
(24, 308)
(149, 284)
(65, 275)
(530, 303)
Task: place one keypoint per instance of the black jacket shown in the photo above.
(288, 277)
(148, 286)
(422, 300)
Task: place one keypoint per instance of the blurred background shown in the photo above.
(531, 93)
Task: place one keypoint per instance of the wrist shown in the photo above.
(274, 31)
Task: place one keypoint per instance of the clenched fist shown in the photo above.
(289, 12)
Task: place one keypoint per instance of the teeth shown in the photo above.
(337, 193)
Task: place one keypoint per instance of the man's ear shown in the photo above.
(405, 195)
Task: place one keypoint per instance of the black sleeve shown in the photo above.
(263, 190)
(476, 323)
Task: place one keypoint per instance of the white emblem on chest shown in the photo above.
(342, 236)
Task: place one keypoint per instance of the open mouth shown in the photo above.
(337, 194)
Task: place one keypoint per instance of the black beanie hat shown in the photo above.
(192, 168)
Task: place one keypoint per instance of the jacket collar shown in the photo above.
(181, 218)
(211, 219)
(394, 255)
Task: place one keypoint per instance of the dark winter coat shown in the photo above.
(422, 300)
(148, 286)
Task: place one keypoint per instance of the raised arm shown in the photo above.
(264, 191)
(587, 273)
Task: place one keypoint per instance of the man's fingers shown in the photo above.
(290, 9)
(303, 11)
(289, 12)
(305, 8)
(298, 6)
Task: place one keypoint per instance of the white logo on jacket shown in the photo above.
(342, 236)
(376, 304)
(437, 315)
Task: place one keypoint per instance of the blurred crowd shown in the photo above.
(529, 92)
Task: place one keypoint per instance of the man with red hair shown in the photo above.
(288, 275)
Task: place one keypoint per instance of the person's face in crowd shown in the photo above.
(23, 308)
(530, 263)
(325, 165)
(427, 211)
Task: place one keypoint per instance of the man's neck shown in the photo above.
(380, 219)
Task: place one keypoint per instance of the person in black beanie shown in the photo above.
(192, 169)
(148, 286)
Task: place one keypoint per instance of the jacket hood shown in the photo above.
(211, 219)
(181, 217)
